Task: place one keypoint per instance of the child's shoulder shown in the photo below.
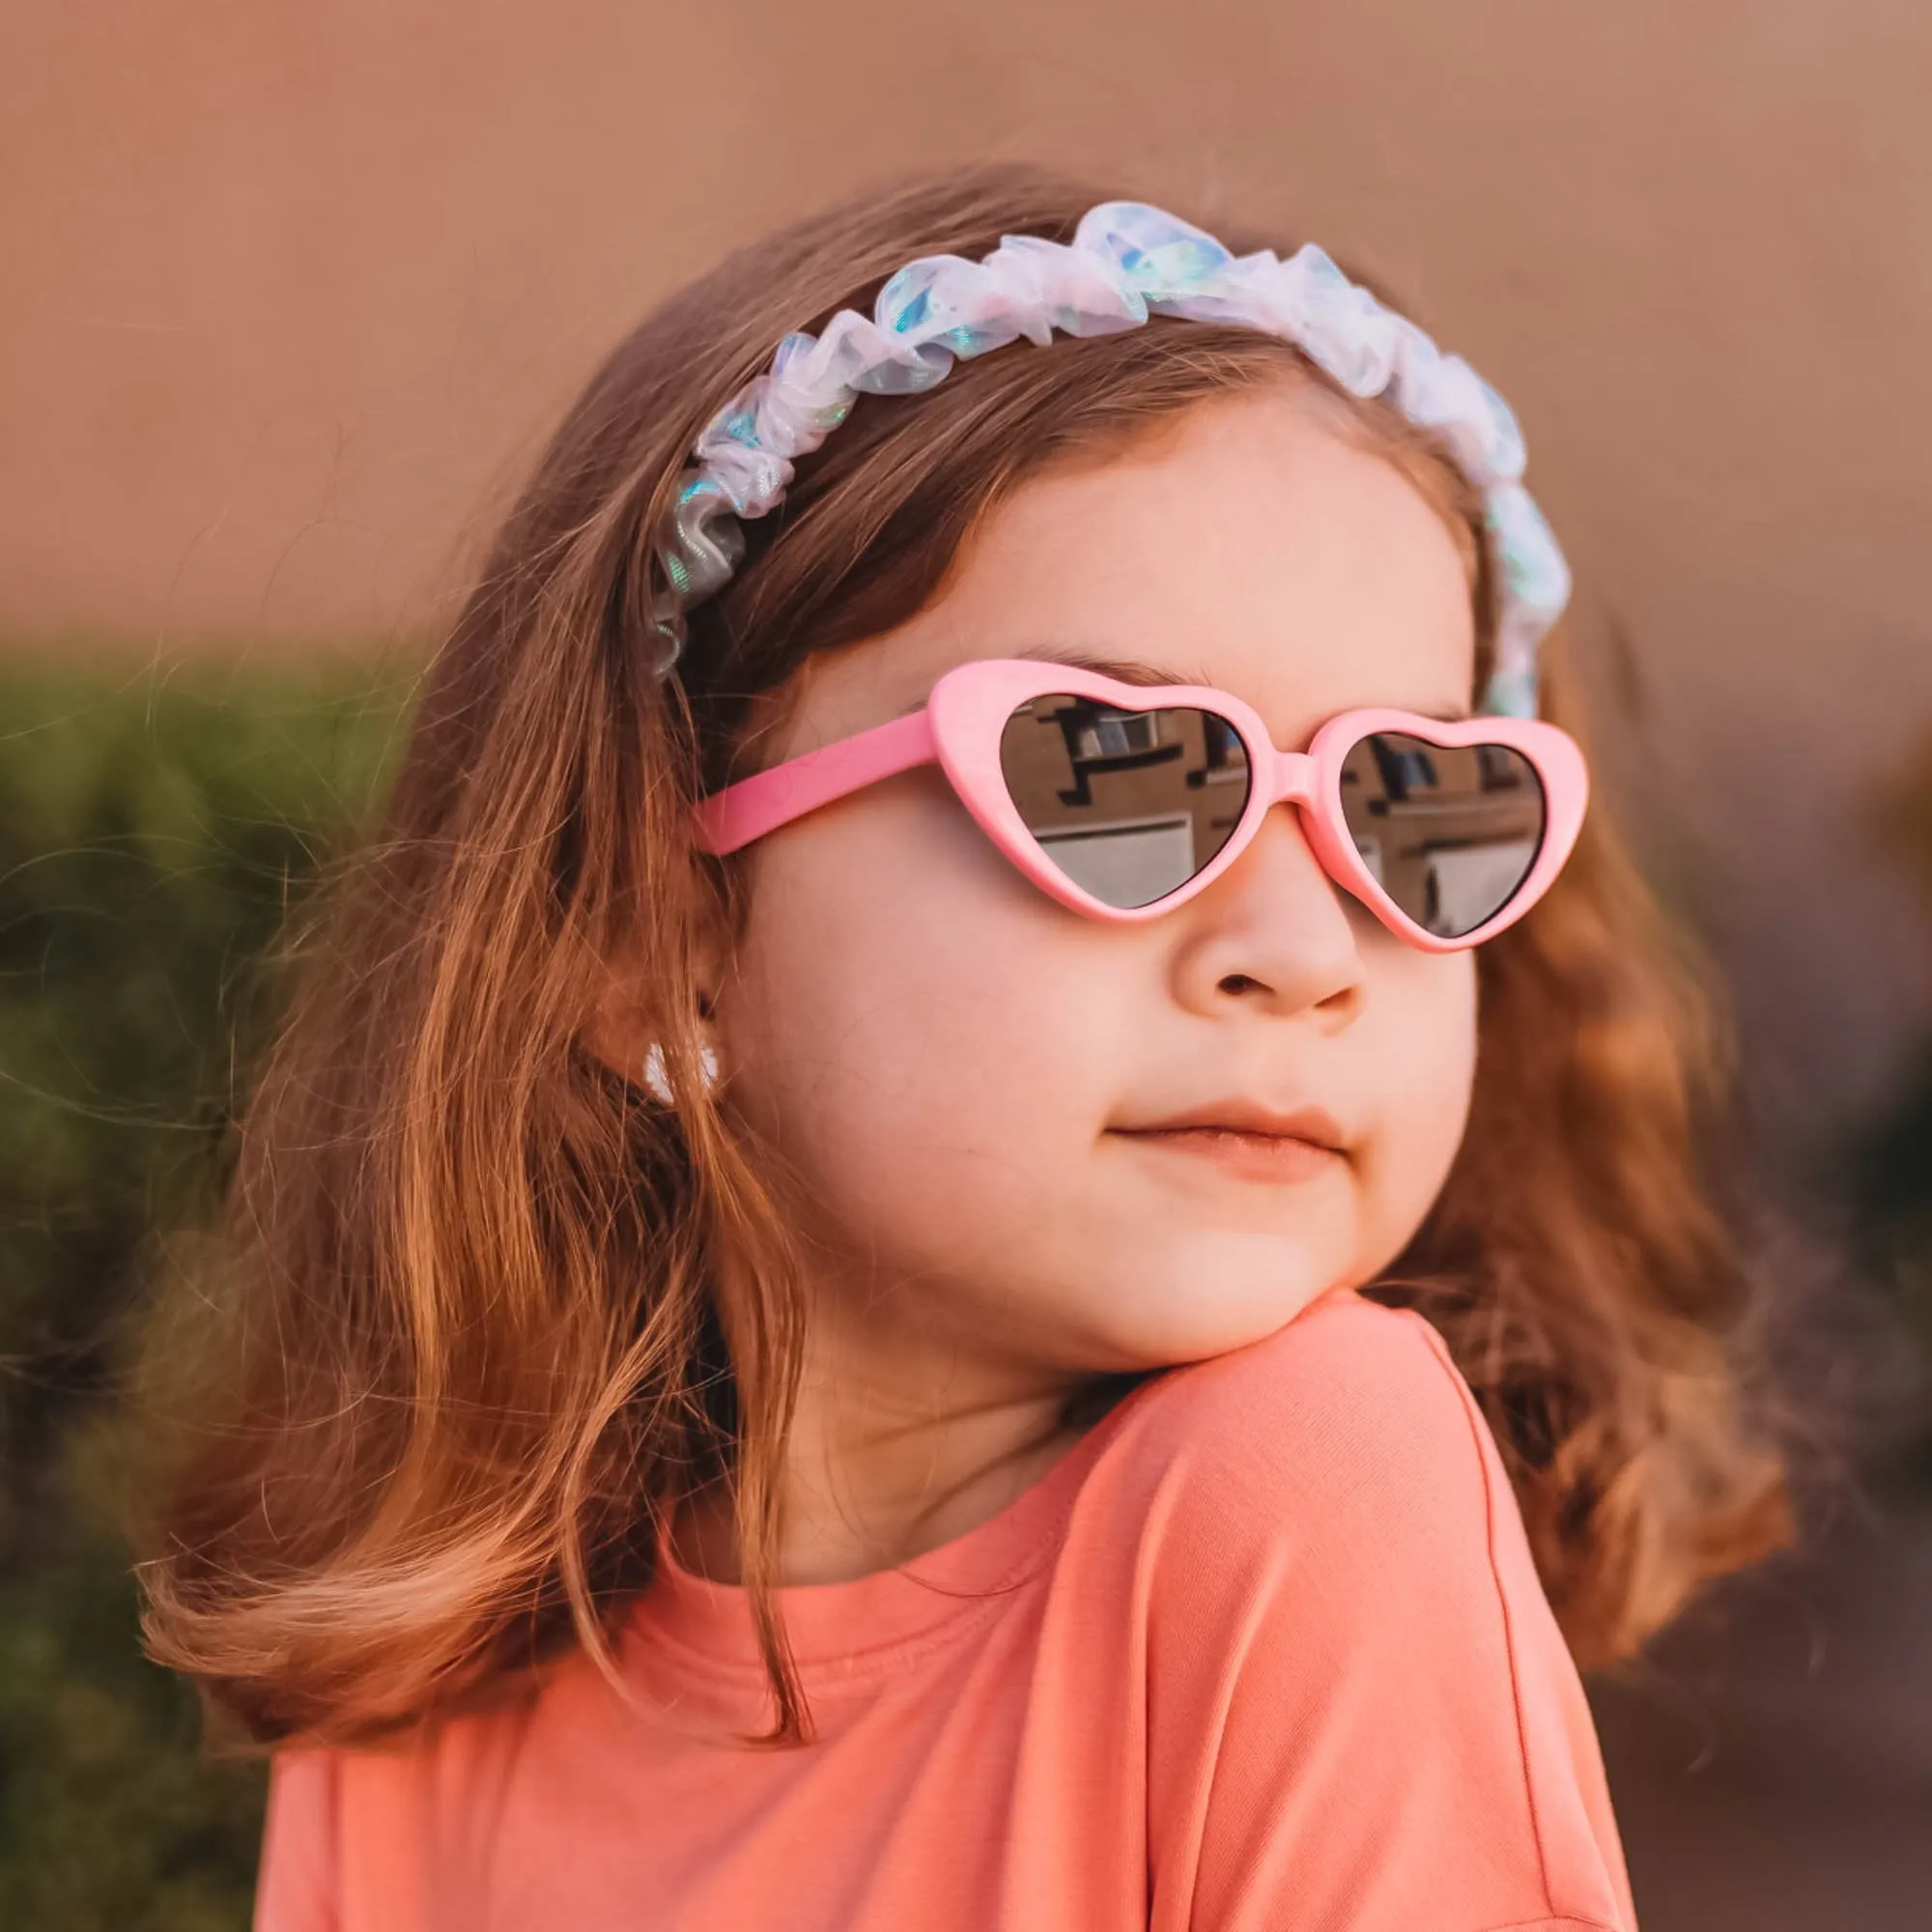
(1352, 1422)
(1327, 1506)
(1349, 1663)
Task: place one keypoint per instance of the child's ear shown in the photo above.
(628, 1016)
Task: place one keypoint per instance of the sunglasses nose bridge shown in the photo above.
(1292, 778)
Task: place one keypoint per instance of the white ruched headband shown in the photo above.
(1126, 261)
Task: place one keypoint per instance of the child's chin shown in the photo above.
(1208, 1310)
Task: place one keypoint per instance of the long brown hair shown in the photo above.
(488, 1310)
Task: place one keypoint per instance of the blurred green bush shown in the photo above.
(154, 826)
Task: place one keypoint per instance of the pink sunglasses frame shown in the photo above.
(967, 710)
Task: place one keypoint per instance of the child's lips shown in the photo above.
(1280, 1158)
(1250, 1140)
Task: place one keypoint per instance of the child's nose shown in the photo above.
(1274, 931)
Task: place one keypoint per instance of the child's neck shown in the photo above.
(893, 1451)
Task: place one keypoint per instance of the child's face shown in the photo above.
(963, 1072)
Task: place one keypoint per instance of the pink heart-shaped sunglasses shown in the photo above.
(1123, 801)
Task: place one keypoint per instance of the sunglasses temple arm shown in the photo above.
(753, 806)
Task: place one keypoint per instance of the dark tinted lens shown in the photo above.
(1449, 834)
(1130, 804)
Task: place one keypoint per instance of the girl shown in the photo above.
(828, 1265)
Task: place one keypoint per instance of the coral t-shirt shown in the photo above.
(1265, 1649)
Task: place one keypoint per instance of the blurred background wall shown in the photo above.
(292, 293)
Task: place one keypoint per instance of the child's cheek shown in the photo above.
(889, 973)
(1425, 1060)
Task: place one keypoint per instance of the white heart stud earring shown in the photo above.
(660, 1086)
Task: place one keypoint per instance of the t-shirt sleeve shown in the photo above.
(295, 1890)
(1362, 1717)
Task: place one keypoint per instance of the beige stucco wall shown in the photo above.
(291, 289)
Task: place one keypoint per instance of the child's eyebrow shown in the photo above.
(1127, 670)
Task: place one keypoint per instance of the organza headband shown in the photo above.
(1126, 261)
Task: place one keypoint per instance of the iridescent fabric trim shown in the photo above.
(1127, 262)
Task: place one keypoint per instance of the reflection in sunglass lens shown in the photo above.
(1128, 805)
(1449, 832)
